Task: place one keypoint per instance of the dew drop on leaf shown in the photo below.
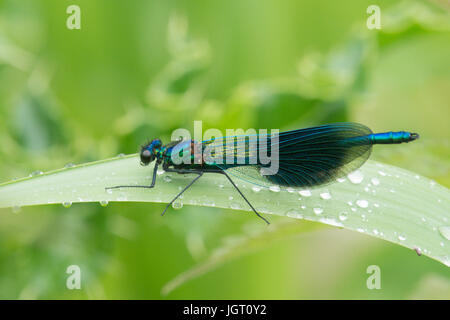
(235, 205)
(318, 210)
(293, 214)
(36, 173)
(67, 204)
(305, 193)
(177, 204)
(275, 188)
(343, 216)
(356, 177)
(256, 189)
(362, 203)
(418, 251)
(445, 232)
(325, 195)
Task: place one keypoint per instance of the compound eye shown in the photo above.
(146, 157)
(146, 154)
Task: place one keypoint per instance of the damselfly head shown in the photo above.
(150, 151)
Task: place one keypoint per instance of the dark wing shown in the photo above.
(307, 157)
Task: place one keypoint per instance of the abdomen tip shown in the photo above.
(414, 136)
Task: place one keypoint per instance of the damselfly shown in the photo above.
(305, 158)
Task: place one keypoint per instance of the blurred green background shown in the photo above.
(140, 69)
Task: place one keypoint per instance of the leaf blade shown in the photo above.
(380, 200)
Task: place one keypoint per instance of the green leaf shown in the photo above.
(379, 200)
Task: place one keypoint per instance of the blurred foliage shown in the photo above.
(140, 69)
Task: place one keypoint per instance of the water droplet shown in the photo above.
(36, 173)
(381, 173)
(230, 198)
(263, 210)
(121, 197)
(376, 205)
(375, 232)
(69, 165)
(331, 221)
(362, 203)
(275, 188)
(67, 204)
(235, 205)
(294, 214)
(445, 232)
(121, 155)
(109, 191)
(16, 209)
(340, 180)
(360, 230)
(167, 179)
(356, 177)
(209, 203)
(343, 216)
(325, 195)
(221, 186)
(375, 181)
(256, 189)
(305, 193)
(160, 172)
(104, 203)
(446, 260)
(401, 237)
(290, 190)
(177, 204)
(418, 251)
(318, 210)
